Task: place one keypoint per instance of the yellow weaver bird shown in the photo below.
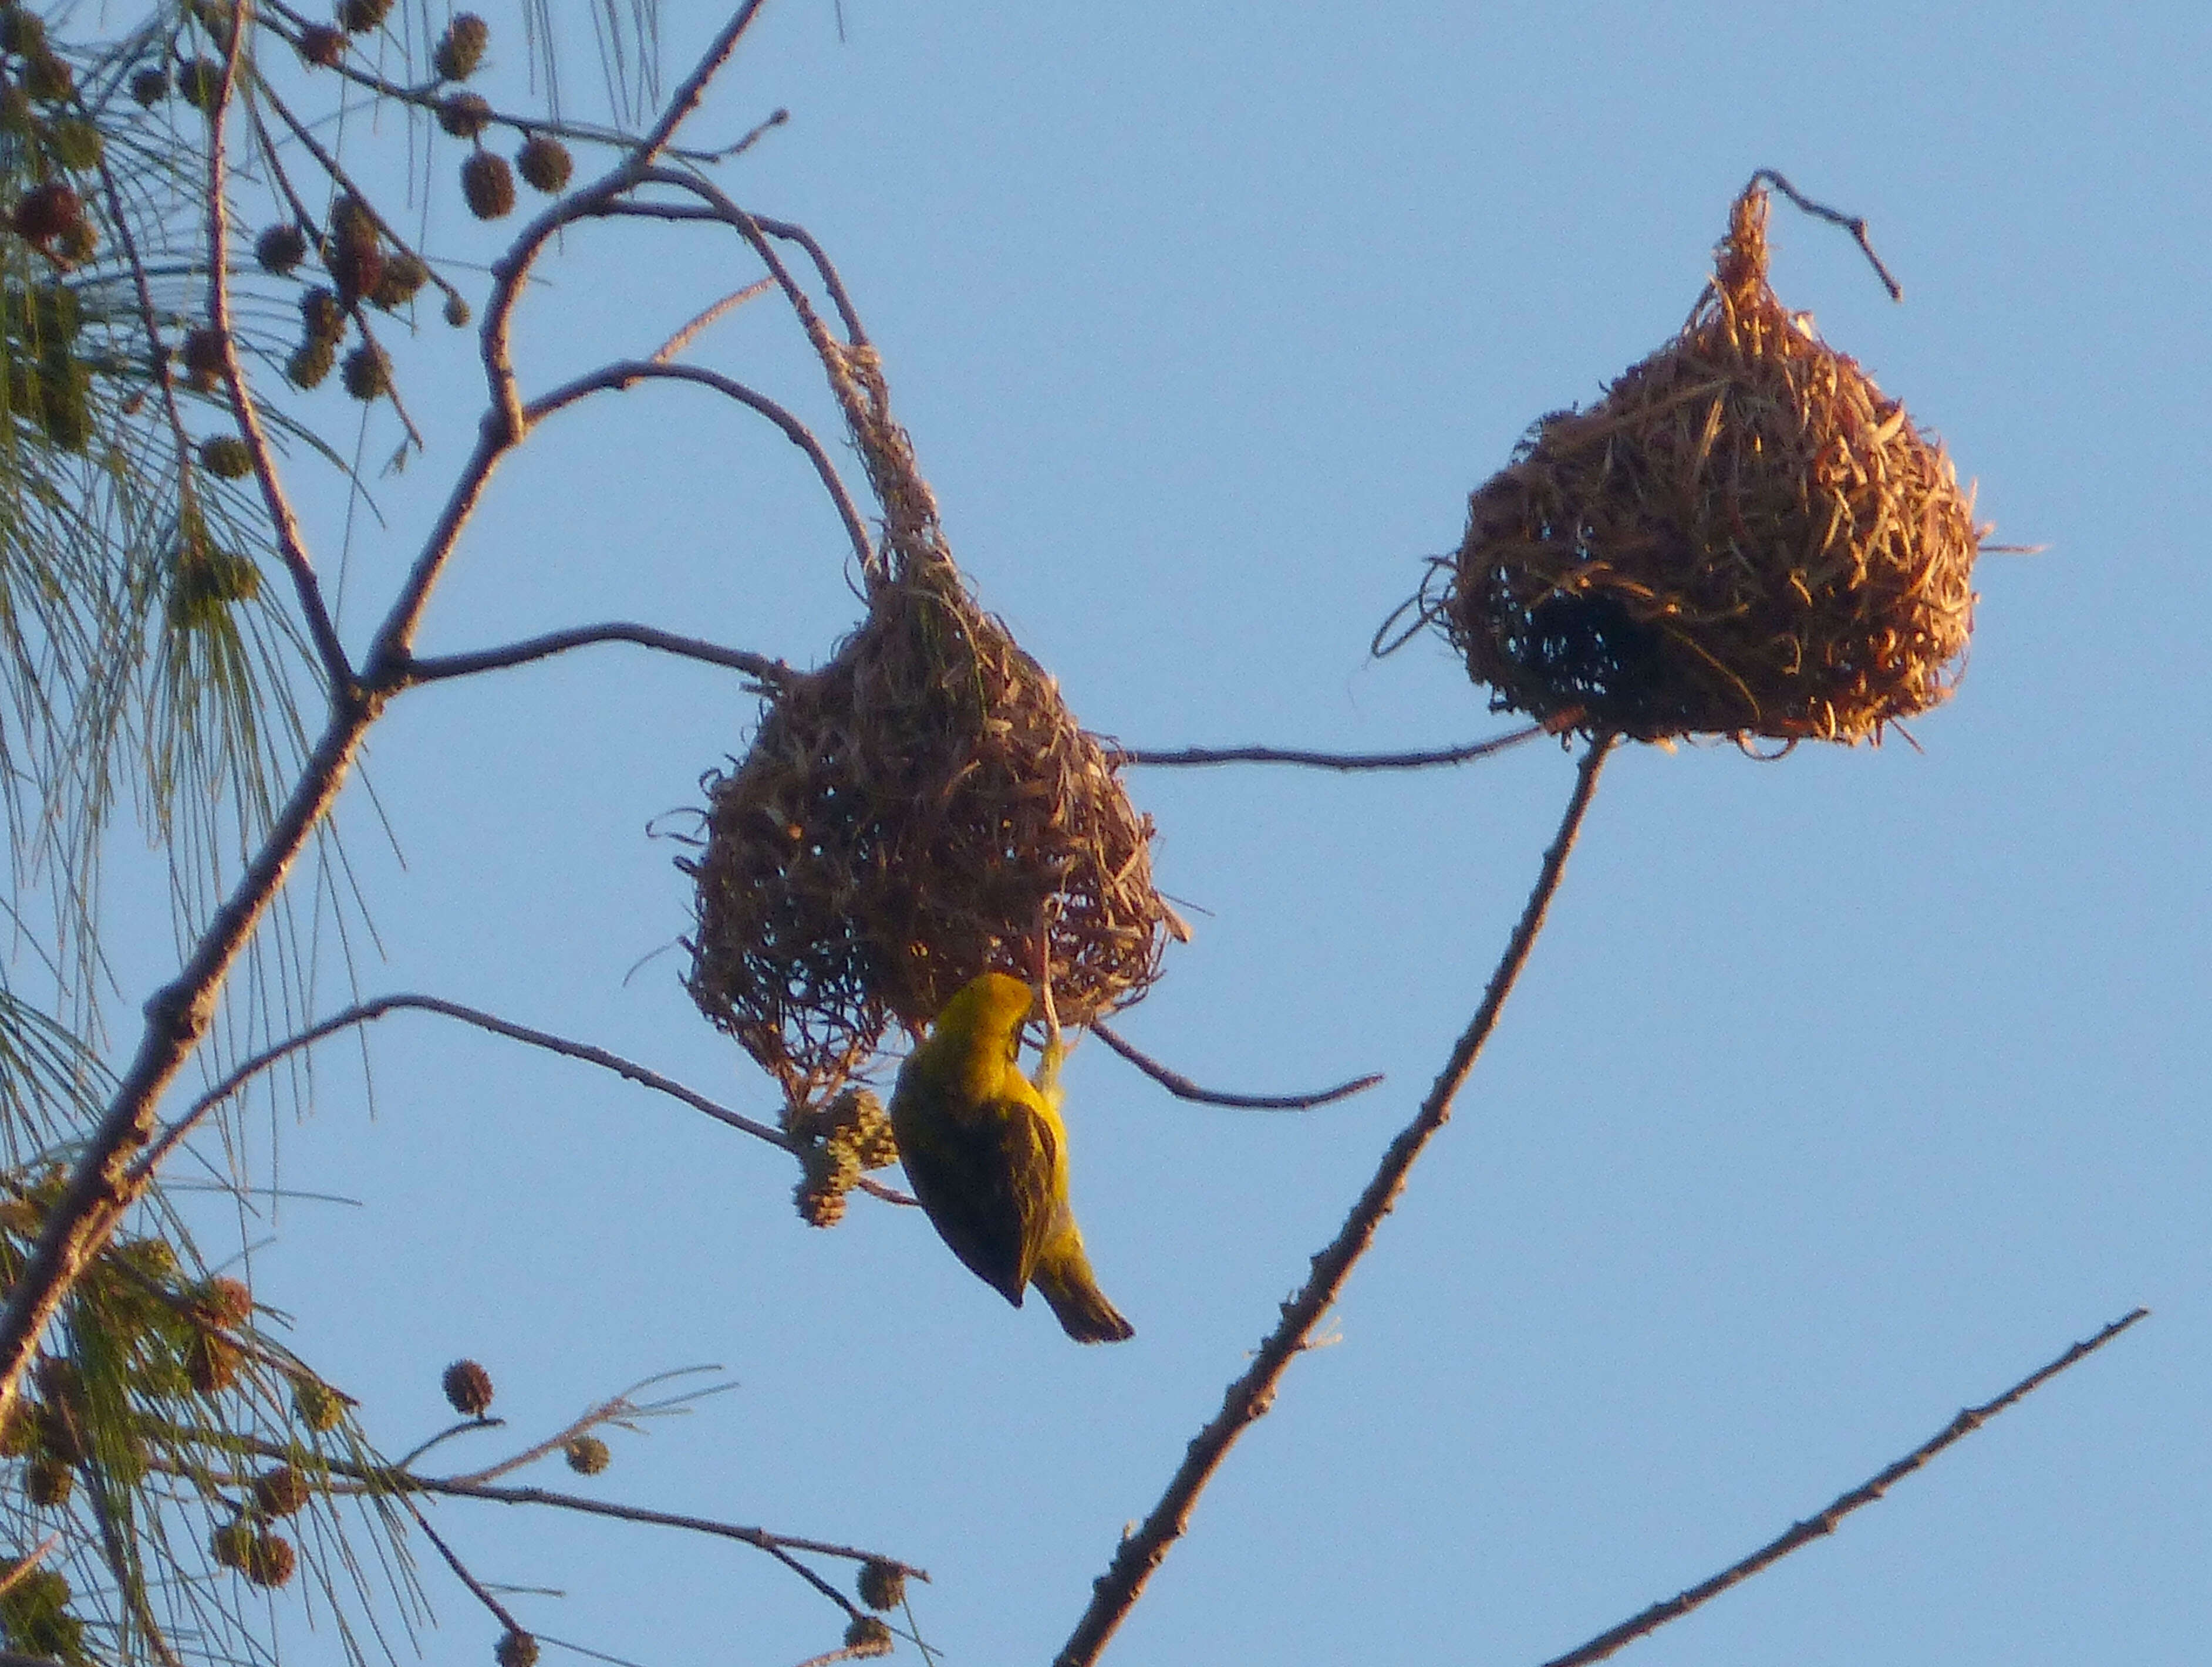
(987, 1155)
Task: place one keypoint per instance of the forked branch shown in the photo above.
(105, 1180)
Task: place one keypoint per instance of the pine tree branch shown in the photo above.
(105, 1182)
(334, 171)
(103, 1185)
(1251, 1397)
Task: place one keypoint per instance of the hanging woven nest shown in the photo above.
(911, 816)
(1744, 538)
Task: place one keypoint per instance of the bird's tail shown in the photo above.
(1064, 1279)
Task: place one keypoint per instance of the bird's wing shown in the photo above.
(984, 1174)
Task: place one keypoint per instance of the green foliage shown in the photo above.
(155, 664)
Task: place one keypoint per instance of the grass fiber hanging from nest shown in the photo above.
(1745, 536)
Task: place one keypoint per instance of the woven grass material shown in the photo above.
(906, 819)
(1744, 538)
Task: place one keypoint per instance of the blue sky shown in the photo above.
(1842, 1091)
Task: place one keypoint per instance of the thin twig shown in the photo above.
(631, 209)
(291, 541)
(347, 1478)
(1117, 754)
(1250, 1397)
(685, 98)
(824, 269)
(1854, 224)
(391, 386)
(730, 303)
(505, 1617)
(130, 1579)
(408, 1460)
(622, 373)
(1183, 1088)
(328, 162)
(607, 1412)
(157, 356)
(437, 668)
(758, 233)
(1814, 1527)
(761, 1538)
(366, 1012)
(759, 130)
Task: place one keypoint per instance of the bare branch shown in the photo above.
(772, 673)
(499, 1610)
(408, 1460)
(1814, 1527)
(761, 1538)
(685, 98)
(366, 1012)
(1253, 1394)
(1183, 1088)
(105, 1181)
(624, 373)
(689, 333)
(1854, 224)
(759, 130)
(291, 541)
(733, 217)
(104, 1184)
(758, 233)
(347, 1476)
(1118, 753)
(848, 313)
(506, 424)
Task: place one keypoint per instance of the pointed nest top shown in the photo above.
(1745, 536)
(911, 814)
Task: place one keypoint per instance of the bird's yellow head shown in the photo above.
(991, 1005)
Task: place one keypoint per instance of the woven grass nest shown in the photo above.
(1745, 536)
(911, 814)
